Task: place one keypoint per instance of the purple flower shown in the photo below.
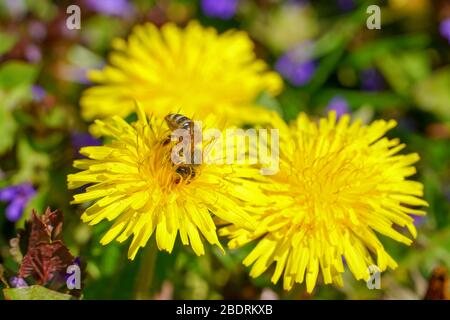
(222, 9)
(371, 80)
(298, 2)
(16, 8)
(75, 73)
(346, 5)
(419, 220)
(338, 104)
(17, 282)
(82, 139)
(296, 65)
(37, 30)
(80, 75)
(120, 8)
(445, 29)
(38, 93)
(18, 197)
(76, 261)
(33, 53)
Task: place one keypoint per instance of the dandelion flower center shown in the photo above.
(156, 166)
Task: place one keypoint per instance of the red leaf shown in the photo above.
(46, 259)
(53, 221)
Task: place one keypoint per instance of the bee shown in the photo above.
(178, 121)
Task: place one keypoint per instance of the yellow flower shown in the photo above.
(134, 182)
(339, 184)
(194, 71)
(410, 7)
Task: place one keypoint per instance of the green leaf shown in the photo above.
(403, 70)
(17, 73)
(356, 99)
(55, 118)
(110, 259)
(269, 102)
(417, 64)
(12, 99)
(100, 30)
(7, 41)
(339, 34)
(8, 128)
(34, 293)
(368, 53)
(433, 94)
(38, 203)
(32, 164)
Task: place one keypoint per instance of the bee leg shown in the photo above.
(166, 141)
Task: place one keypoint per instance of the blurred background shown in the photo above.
(328, 58)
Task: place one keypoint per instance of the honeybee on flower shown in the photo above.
(134, 182)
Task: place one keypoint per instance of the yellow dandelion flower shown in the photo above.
(134, 182)
(339, 184)
(195, 70)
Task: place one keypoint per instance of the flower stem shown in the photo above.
(144, 281)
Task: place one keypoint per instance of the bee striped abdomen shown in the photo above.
(178, 121)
